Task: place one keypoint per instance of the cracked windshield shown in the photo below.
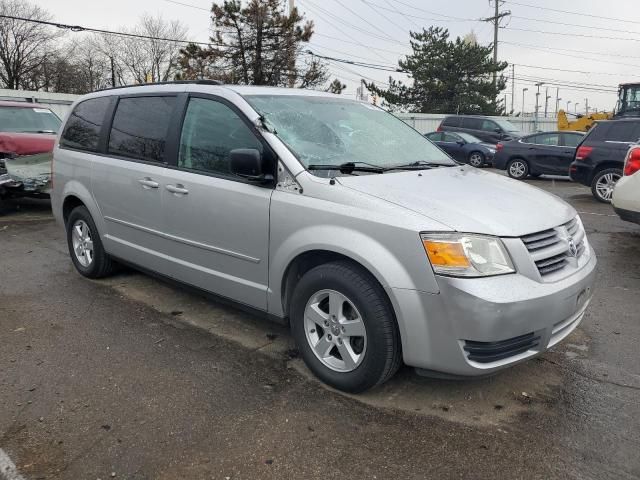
(327, 131)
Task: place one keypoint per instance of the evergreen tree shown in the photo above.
(448, 77)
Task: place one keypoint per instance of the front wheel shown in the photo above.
(476, 159)
(344, 327)
(518, 169)
(603, 183)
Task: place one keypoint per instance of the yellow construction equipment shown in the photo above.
(582, 123)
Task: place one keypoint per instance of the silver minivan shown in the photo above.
(328, 214)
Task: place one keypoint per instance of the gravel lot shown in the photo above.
(134, 378)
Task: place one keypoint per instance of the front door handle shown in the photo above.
(148, 183)
(178, 189)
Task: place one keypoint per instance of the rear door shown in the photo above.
(473, 126)
(569, 142)
(218, 223)
(127, 179)
(546, 154)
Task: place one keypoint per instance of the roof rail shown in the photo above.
(173, 82)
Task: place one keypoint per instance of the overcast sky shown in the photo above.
(377, 31)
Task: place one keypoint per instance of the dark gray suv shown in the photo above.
(487, 129)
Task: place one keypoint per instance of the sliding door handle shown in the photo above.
(177, 189)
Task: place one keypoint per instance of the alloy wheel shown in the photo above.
(517, 169)
(605, 185)
(82, 243)
(335, 331)
(475, 160)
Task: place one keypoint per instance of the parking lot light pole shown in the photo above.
(568, 102)
(558, 99)
(535, 120)
(522, 111)
(575, 107)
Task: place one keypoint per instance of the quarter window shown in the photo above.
(210, 131)
(140, 128)
(572, 140)
(451, 137)
(489, 126)
(82, 130)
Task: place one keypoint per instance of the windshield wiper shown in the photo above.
(350, 167)
(418, 165)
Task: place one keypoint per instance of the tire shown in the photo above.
(603, 183)
(85, 246)
(476, 159)
(371, 340)
(518, 169)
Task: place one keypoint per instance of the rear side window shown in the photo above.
(472, 123)
(451, 137)
(552, 139)
(140, 127)
(451, 122)
(572, 140)
(82, 131)
(598, 133)
(434, 137)
(623, 132)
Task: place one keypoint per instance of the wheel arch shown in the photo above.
(604, 166)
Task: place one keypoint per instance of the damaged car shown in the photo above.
(27, 136)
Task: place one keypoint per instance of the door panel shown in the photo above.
(218, 224)
(127, 183)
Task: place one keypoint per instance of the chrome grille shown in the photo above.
(550, 249)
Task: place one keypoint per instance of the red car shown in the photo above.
(27, 135)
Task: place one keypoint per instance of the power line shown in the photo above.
(407, 16)
(188, 5)
(583, 35)
(573, 12)
(587, 72)
(365, 20)
(374, 8)
(395, 52)
(457, 19)
(593, 27)
(79, 28)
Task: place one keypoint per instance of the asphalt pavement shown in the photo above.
(134, 378)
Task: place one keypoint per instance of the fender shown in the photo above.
(77, 189)
(379, 260)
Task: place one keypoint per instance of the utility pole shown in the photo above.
(557, 100)
(586, 106)
(522, 111)
(496, 25)
(292, 5)
(513, 86)
(568, 102)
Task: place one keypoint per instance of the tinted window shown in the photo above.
(82, 130)
(434, 137)
(572, 139)
(599, 132)
(451, 137)
(623, 132)
(210, 131)
(28, 119)
(472, 123)
(489, 125)
(140, 127)
(546, 139)
(451, 122)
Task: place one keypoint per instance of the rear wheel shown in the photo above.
(476, 159)
(344, 327)
(603, 183)
(85, 247)
(518, 169)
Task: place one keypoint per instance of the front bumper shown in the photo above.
(435, 328)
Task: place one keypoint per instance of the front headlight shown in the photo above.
(466, 255)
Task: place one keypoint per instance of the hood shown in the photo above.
(468, 199)
(26, 143)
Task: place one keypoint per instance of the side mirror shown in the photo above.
(498, 130)
(248, 163)
(460, 142)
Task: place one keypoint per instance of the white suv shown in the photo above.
(626, 195)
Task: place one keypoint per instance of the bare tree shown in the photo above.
(23, 45)
(154, 59)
